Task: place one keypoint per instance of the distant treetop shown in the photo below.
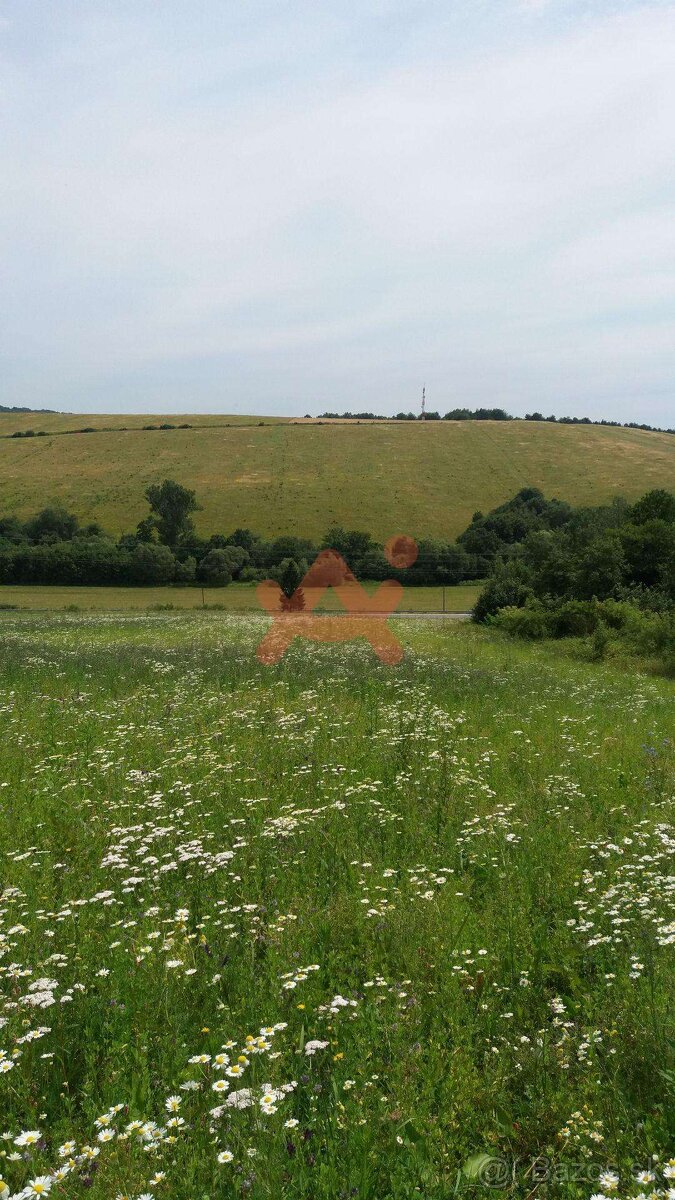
(16, 409)
(486, 414)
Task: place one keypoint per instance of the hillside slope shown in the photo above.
(284, 477)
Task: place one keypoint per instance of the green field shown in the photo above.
(331, 929)
(284, 477)
(237, 597)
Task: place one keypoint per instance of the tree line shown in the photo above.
(617, 551)
(54, 548)
(528, 548)
(455, 414)
(605, 573)
(20, 408)
(488, 414)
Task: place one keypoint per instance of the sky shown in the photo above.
(286, 208)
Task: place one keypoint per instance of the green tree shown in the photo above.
(600, 569)
(151, 565)
(290, 577)
(648, 548)
(145, 531)
(185, 570)
(52, 524)
(215, 569)
(244, 538)
(171, 505)
(238, 558)
(11, 530)
(548, 555)
(657, 505)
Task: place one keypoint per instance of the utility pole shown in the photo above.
(424, 399)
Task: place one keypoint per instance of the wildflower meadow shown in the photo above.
(331, 928)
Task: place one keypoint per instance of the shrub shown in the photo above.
(533, 621)
(646, 634)
(508, 587)
(652, 634)
(575, 618)
(600, 640)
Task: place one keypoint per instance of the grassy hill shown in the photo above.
(279, 476)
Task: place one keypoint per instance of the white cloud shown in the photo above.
(495, 217)
(534, 5)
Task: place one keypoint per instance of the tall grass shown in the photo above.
(444, 890)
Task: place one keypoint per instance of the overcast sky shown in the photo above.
(274, 207)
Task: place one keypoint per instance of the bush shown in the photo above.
(508, 587)
(652, 634)
(575, 618)
(600, 640)
(647, 635)
(531, 622)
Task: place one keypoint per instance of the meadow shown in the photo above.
(298, 478)
(330, 929)
(237, 597)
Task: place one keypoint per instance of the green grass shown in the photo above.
(236, 597)
(472, 850)
(282, 477)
